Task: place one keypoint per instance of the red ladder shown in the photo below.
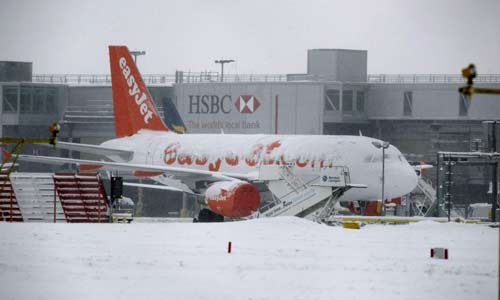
(82, 197)
(9, 209)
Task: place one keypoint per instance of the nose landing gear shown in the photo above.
(207, 216)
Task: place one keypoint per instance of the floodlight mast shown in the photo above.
(137, 53)
(222, 62)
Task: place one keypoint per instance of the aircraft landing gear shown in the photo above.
(206, 216)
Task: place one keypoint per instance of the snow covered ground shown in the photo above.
(277, 258)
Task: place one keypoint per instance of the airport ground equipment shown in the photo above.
(19, 143)
(423, 203)
(9, 208)
(82, 197)
(470, 73)
(300, 196)
(59, 197)
(35, 195)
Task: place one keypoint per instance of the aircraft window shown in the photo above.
(377, 158)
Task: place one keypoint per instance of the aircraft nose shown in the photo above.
(408, 180)
(401, 181)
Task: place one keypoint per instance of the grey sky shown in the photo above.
(424, 36)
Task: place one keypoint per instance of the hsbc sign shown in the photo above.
(213, 104)
(247, 104)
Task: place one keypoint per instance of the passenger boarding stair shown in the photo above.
(38, 197)
(425, 200)
(35, 195)
(82, 197)
(9, 208)
(301, 196)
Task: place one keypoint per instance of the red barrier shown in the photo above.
(441, 253)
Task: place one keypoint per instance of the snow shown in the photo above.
(275, 258)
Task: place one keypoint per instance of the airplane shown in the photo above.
(226, 169)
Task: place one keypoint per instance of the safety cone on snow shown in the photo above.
(441, 253)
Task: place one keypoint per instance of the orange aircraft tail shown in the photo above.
(134, 107)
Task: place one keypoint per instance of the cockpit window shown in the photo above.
(378, 158)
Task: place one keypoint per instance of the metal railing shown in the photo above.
(98, 79)
(207, 77)
(429, 78)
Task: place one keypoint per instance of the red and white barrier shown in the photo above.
(441, 253)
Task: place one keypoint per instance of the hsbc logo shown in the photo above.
(247, 104)
(213, 104)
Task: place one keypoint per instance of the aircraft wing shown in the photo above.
(154, 186)
(93, 149)
(192, 174)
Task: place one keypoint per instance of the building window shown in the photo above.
(51, 101)
(360, 101)
(408, 103)
(347, 100)
(463, 105)
(332, 100)
(38, 101)
(25, 101)
(9, 99)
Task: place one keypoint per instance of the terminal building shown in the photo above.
(419, 114)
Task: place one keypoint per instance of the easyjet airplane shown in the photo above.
(225, 168)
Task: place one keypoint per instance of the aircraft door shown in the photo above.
(151, 152)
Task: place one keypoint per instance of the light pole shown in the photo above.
(383, 145)
(137, 53)
(222, 62)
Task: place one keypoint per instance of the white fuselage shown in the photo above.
(242, 154)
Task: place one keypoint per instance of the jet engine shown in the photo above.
(232, 198)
